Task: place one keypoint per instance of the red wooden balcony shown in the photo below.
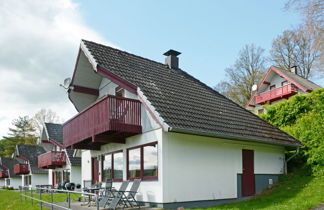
(111, 119)
(277, 93)
(21, 169)
(4, 174)
(51, 160)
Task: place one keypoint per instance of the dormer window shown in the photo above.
(272, 87)
(120, 92)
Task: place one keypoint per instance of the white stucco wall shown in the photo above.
(39, 179)
(203, 168)
(2, 182)
(86, 165)
(15, 182)
(76, 175)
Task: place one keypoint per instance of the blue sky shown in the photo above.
(208, 33)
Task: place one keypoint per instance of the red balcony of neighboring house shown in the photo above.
(51, 160)
(21, 169)
(111, 119)
(4, 174)
(275, 94)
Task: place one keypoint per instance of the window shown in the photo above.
(142, 162)
(272, 87)
(260, 111)
(66, 176)
(112, 166)
(120, 92)
(284, 83)
(27, 180)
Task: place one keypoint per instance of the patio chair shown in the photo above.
(129, 199)
(114, 196)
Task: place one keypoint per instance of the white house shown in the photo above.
(7, 176)
(190, 145)
(277, 85)
(27, 166)
(62, 166)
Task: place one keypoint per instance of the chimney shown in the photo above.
(172, 60)
(293, 69)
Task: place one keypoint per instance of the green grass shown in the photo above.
(295, 191)
(10, 199)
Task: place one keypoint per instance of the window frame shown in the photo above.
(283, 83)
(272, 87)
(146, 178)
(103, 178)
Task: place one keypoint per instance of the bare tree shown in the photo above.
(42, 116)
(294, 48)
(247, 71)
(313, 12)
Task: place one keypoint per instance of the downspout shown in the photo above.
(286, 162)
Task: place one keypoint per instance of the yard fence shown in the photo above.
(37, 194)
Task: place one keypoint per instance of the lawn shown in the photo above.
(295, 191)
(9, 199)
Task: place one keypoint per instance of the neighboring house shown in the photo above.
(278, 85)
(63, 167)
(190, 145)
(7, 173)
(27, 166)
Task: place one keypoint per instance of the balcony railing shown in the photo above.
(276, 93)
(51, 160)
(21, 169)
(4, 174)
(111, 119)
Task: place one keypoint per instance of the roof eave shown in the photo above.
(224, 136)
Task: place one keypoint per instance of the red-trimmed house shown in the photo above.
(27, 166)
(60, 163)
(7, 176)
(278, 85)
(190, 145)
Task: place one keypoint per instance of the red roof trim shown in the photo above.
(56, 143)
(116, 79)
(22, 157)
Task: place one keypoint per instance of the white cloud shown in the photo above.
(39, 42)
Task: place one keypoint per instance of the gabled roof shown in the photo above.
(302, 83)
(54, 132)
(75, 161)
(9, 164)
(31, 153)
(184, 103)
(296, 79)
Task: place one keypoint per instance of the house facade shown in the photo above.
(58, 161)
(7, 176)
(189, 145)
(27, 166)
(278, 85)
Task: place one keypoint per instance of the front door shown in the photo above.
(95, 170)
(248, 179)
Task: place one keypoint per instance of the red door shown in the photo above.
(248, 180)
(95, 171)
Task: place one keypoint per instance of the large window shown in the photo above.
(112, 167)
(143, 162)
(66, 176)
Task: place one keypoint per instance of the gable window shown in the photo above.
(260, 111)
(284, 83)
(142, 162)
(120, 92)
(272, 87)
(112, 167)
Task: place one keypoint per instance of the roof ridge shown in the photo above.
(123, 51)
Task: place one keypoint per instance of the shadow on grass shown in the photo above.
(281, 196)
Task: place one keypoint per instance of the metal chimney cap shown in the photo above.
(172, 52)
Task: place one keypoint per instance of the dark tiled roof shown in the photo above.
(183, 101)
(31, 152)
(55, 132)
(9, 163)
(307, 84)
(75, 161)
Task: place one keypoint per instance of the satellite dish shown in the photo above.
(254, 87)
(67, 82)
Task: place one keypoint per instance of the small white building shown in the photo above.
(278, 85)
(190, 145)
(62, 166)
(7, 176)
(27, 166)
